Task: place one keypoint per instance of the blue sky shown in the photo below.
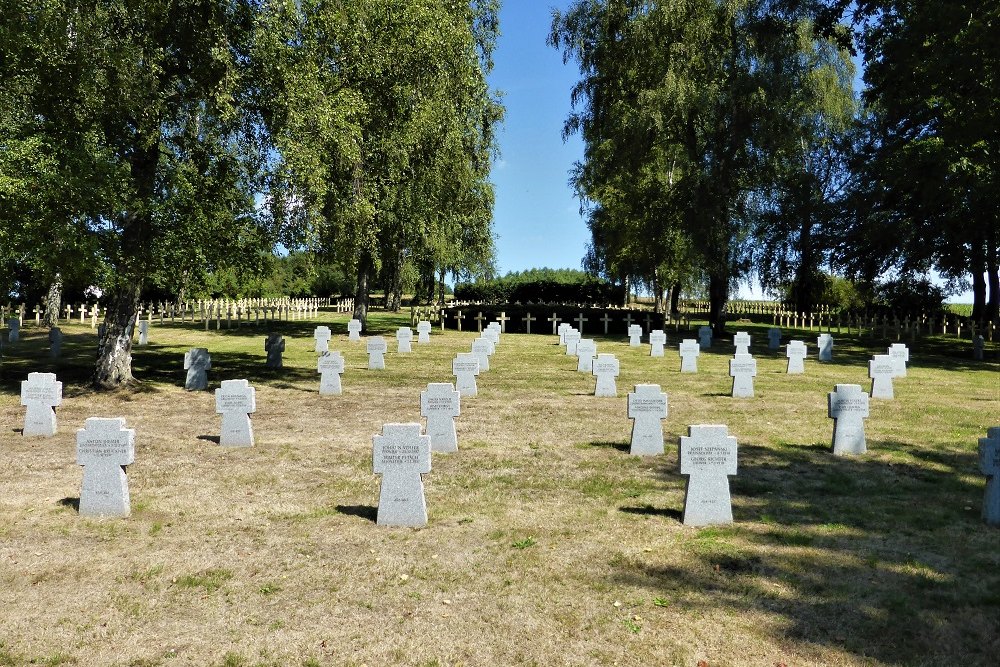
(537, 219)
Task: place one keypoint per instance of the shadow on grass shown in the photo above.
(837, 547)
(620, 446)
(369, 512)
(214, 439)
(649, 510)
(72, 502)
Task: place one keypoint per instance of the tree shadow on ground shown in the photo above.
(620, 446)
(369, 512)
(836, 547)
(648, 510)
(72, 502)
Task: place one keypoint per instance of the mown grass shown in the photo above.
(547, 543)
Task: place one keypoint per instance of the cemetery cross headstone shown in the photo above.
(586, 350)
(796, 352)
(773, 338)
(55, 342)
(274, 345)
(481, 348)
(743, 369)
(465, 368)
(197, 363)
(330, 365)
(235, 400)
(423, 332)
(440, 404)
(354, 330)
(705, 337)
(322, 334)
(881, 370)
(635, 335)
(104, 447)
(401, 455)
(41, 393)
(989, 464)
(689, 351)
(899, 354)
(376, 348)
(404, 340)
(606, 369)
(742, 342)
(847, 405)
(708, 455)
(647, 405)
(825, 343)
(657, 339)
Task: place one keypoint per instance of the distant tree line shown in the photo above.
(723, 139)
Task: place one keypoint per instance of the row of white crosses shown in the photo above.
(401, 454)
(604, 367)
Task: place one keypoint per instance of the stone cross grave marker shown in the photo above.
(899, 354)
(989, 464)
(743, 369)
(423, 332)
(481, 348)
(635, 335)
(322, 334)
(274, 345)
(978, 345)
(330, 365)
(197, 363)
(647, 405)
(41, 393)
(492, 334)
(689, 351)
(440, 404)
(705, 337)
(376, 353)
(572, 340)
(773, 338)
(354, 330)
(708, 456)
(13, 330)
(104, 447)
(606, 369)
(657, 339)
(528, 319)
(401, 455)
(742, 342)
(465, 368)
(586, 350)
(55, 342)
(796, 352)
(144, 332)
(881, 370)
(235, 400)
(825, 343)
(404, 340)
(848, 408)
(563, 328)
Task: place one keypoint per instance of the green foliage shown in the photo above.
(910, 296)
(542, 285)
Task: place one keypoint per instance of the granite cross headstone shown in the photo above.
(104, 447)
(423, 332)
(330, 365)
(144, 332)
(401, 455)
(847, 405)
(481, 348)
(606, 369)
(899, 354)
(978, 345)
(881, 370)
(235, 400)
(743, 369)
(708, 456)
(404, 340)
(354, 330)
(41, 393)
(742, 342)
(825, 343)
(647, 405)
(376, 348)
(572, 339)
(440, 404)
(657, 339)
(773, 338)
(989, 464)
(274, 345)
(465, 368)
(55, 342)
(689, 351)
(13, 330)
(705, 337)
(197, 363)
(796, 352)
(586, 350)
(635, 335)
(322, 334)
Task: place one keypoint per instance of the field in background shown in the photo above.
(547, 543)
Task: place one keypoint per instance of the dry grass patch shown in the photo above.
(547, 543)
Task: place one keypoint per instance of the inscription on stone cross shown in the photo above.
(689, 351)
(647, 405)
(708, 456)
(847, 406)
(657, 339)
(899, 354)
(635, 335)
(742, 342)
(322, 335)
(354, 330)
(989, 464)
(401, 455)
(481, 348)
(235, 400)
(404, 340)
(465, 368)
(606, 369)
(572, 340)
(274, 345)
(41, 393)
(743, 369)
(376, 348)
(796, 352)
(440, 404)
(104, 447)
(330, 366)
(881, 370)
(423, 332)
(586, 350)
(825, 343)
(197, 363)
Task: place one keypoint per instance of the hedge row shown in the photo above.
(541, 324)
(590, 292)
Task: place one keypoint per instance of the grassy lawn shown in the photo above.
(547, 543)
